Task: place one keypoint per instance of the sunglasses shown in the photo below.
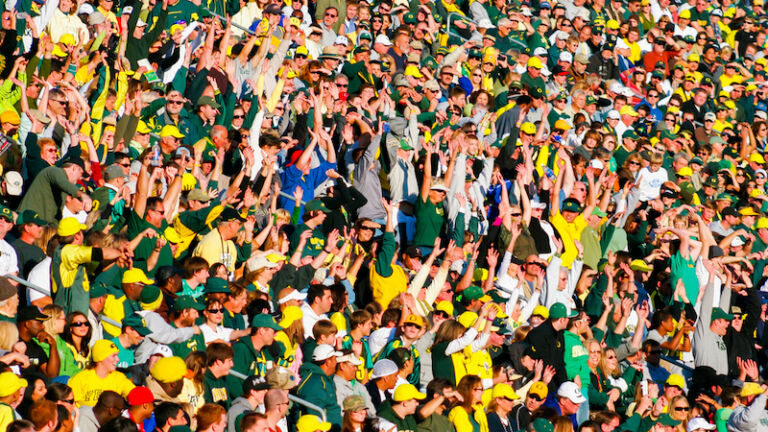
(367, 228)
(535, 397)
(238, 116)
(441, 314)
(682, 408)
(215, 311)
(80, 324)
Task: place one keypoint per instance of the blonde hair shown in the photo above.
(9, 335)
(52, 311)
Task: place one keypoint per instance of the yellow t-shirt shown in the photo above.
(72, 256)
(460, 418)
(569, 232)
(87, 386)
(6, 416)
(213, 249)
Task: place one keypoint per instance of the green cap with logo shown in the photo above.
(187, 302)
(316, 205)
(571, 205)
(137, 323)
(559, 310)
(542, 425)
(718, 313)
(6, 213)
(474, 292)
(30, 217)
(265, 321)
(216, 285)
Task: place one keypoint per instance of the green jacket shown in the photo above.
(318, 388)
(576, 356)
(403, 424)
(215, 390)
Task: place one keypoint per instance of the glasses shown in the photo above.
(69, 401)
(441, 314)
(159, 211)
(238, 116)
(215, 311)
(59, 101)
(367, 228)
(760, 176)
(80, 324)
(566, 25)
(654, 352)
(682, 408)
(314, 72)
(610, 357)
(535, 397)
(175, 102)
(653, 95)
(342, 85)
(330, 15)
(515, 214)
(477, 75)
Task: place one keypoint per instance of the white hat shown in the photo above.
(141, 23)
(85, 9)
(294, 295)
(761, 114)
(540, 51)
(565, 56)
(545, 71)
(13, 183)
(439, 187)
(162, 350)
(613, 114)
(485, 23)
(383, 367)
(260, 262)
(596, 163)
(457, 266)
(616, 87)
(324, 352)
(341, 40)
(737, 241)
(570, 390)
(350, 358)
(699, 423)
(538, 204)
(383, 39)
(561, 35)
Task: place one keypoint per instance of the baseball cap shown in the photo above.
(311, 423)
(69, 226)
(30, 217)
(539, 389)
(324, 352)
(102, 349)
(10, 383)
(136, 275)
(285, 296)
(415, 320)
(140, 395)
(405, 392)
(263, 320)
(383, 367)
(676, 380)
(697, 423)
(137, 323)
(570, 390)
(13, 183)
(30, 313)
(281, 378)
(718, 313)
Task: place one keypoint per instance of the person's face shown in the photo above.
(679, 411)
(446, 76)
(720, 326)
(653, 355)
(330, 17)
(411, 331)
(214, 313)
(80, 326)
(359, 416)
(389, 381)
(111, 362)
(326, 301)
(533, 402)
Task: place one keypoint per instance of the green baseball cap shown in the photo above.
(667, 420)
(571, 205)
(598, 212)
(266, 321)
(316, 205)
(216, 285)
(718, 313)
(137, 323)
(559, 310)
(97, 290)
(630, 133)
(711, 181)
(30, 217)
(474, 292)
(207, 100)
(188, 302)
(6, 213)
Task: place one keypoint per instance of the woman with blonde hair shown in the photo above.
(193, 389)
(501, 405)
(469, 414)
(680, 409)
(563, 424)
(54, 325)
(290, 338)
(454, 343)
(11, 351)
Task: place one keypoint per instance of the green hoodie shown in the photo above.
(318, 388)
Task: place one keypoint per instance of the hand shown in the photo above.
(492, 258)
(549, 373)
(298, 194)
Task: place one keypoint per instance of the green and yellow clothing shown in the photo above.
(69, 280)
(451, 367)
(191, 224)
(287, 349)
(576, 356)
(318, 388)
(7, 415)
(685, 269)
(136, 225)
(415, 376)
(117, 306)
(87, 386)
(364, 369)
(250, 361)
(216, 390)
(568, 233)
(430, 221)
(477, 422)
(403, 424)
(387, 280)
(182, 349)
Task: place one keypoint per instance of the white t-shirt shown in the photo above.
(9, 263)
(650, 183)
(40, 275)
(220, 332)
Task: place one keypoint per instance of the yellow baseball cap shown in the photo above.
(539, 389)
(528, 128)
(467, 319)
(748, 211)
(676, 380)
(613, 24)
(413, 71)
(169, 369)
(291, 314)
(693, 57)
(757, 158)
(562, 125)
(541, 311)
(685, 171)
(10, 116)
(69, 226)
(142, 128)
(311, 423)
(172, 235)
(68, 39)
(640, 265)
(750, 389)
(171, 130)
(102, 349)
(445, 306)
(136, 275)
(415, 320)
(10, 383)
(535, 63)
(503, 390)
(628, 110)
(405, 392)
(686, 14)
(762, 223)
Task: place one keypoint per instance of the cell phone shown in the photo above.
(502, 57)
(644, 386)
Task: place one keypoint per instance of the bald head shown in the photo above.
(274, 398)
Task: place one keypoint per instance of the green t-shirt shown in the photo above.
(430, 219)
(684, 269)
(125, 357)
(182, 349)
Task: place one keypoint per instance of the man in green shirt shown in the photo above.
(219, 361)
(315, 213)
(317, 385)
(401, 412)
(250, 357)
(186, 312)
(133, 333)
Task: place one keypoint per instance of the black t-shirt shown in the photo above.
(37, 356)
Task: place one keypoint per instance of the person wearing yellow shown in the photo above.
(218, 245)
(469, 415)
(290, 337)
(401, 412)
(311, 423)
(11, 394)
(124, 302)
(88, 385)
(69, 280)
(504, 398)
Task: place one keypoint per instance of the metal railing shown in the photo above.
(677, 363)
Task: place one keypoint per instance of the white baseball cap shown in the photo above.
(699, 423)
(350, 358)
(13, 183)
(540, 51)
(293, 295)
(341, 40)
(613, 114)
(382, 368)
(324, 352)
(570, 390)
(565, 56)
(596, 163)
(383, 39)
(162, 350)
